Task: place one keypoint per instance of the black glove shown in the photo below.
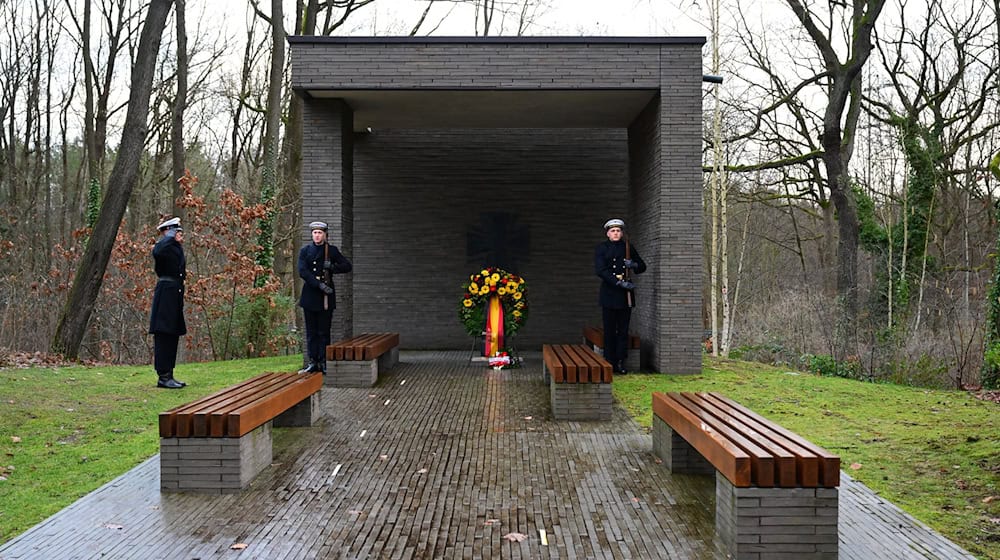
(629, 263)
(327, 265)
(326, 289)
(625, 284)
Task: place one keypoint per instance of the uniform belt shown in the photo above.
(177, 279)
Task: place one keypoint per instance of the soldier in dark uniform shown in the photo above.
(616, 295)
(318, 261)
(166, 319)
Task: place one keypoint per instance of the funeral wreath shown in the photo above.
(490, 281)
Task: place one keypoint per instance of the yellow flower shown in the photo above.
(484, 272)
(517, 313)
(484, 290)
(512, 286)
(501, 291)
(517, 295)
(473, 288)
(495, 277)
(467, 303)
(519, 305)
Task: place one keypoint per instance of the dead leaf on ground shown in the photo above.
(989, 499)
(238, 546)
(855, 466)
(422, 471)
(15, 439)
(491, 522)
(515, 537)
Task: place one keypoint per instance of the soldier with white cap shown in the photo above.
(166, 318)
(318, 261)
(615, 260)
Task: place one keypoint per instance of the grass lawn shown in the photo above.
(65, 431)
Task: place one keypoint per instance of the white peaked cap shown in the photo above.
(614, 223)
(174, 223)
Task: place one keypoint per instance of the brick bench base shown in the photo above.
(226, 465)
(759, 523)
(580, 401)
(359, 373)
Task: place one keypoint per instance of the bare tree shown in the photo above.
(840, 118)
(89, 275)
(177, 148)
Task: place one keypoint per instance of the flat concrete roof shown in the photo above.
(304, 39)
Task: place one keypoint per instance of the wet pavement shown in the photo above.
(443, 459)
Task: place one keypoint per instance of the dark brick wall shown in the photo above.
(418, 193)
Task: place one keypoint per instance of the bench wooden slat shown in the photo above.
(728, 458)
(251, 415)
(552, 362)
(214, 421)
(785, 463)
(269, 392)
(383, 343)
(177, 422)
(570, 368)
(598, 370)
(575, 363)
(761, 460)
(365, 346)
(827, 463)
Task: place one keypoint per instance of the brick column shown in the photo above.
(328, 190)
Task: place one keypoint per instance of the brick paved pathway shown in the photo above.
(442, 459)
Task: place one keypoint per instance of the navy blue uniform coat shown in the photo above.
(311, 259)
(167, 313)
(609, 265)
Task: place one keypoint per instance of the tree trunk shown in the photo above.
(89, 137)
(177, 115)
(290, 199)
(90, 274)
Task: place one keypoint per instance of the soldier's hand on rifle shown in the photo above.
(629, 263)
(326, 289)
(327, 265)
(625, 284)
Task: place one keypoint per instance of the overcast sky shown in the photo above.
(562, 17)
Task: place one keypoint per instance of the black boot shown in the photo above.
(312, 367)
(167, 381)
(181, 383)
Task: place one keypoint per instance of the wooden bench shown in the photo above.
(775, 492)
(579, 382)
(594, 336)
(356, 362)
(220, 443)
